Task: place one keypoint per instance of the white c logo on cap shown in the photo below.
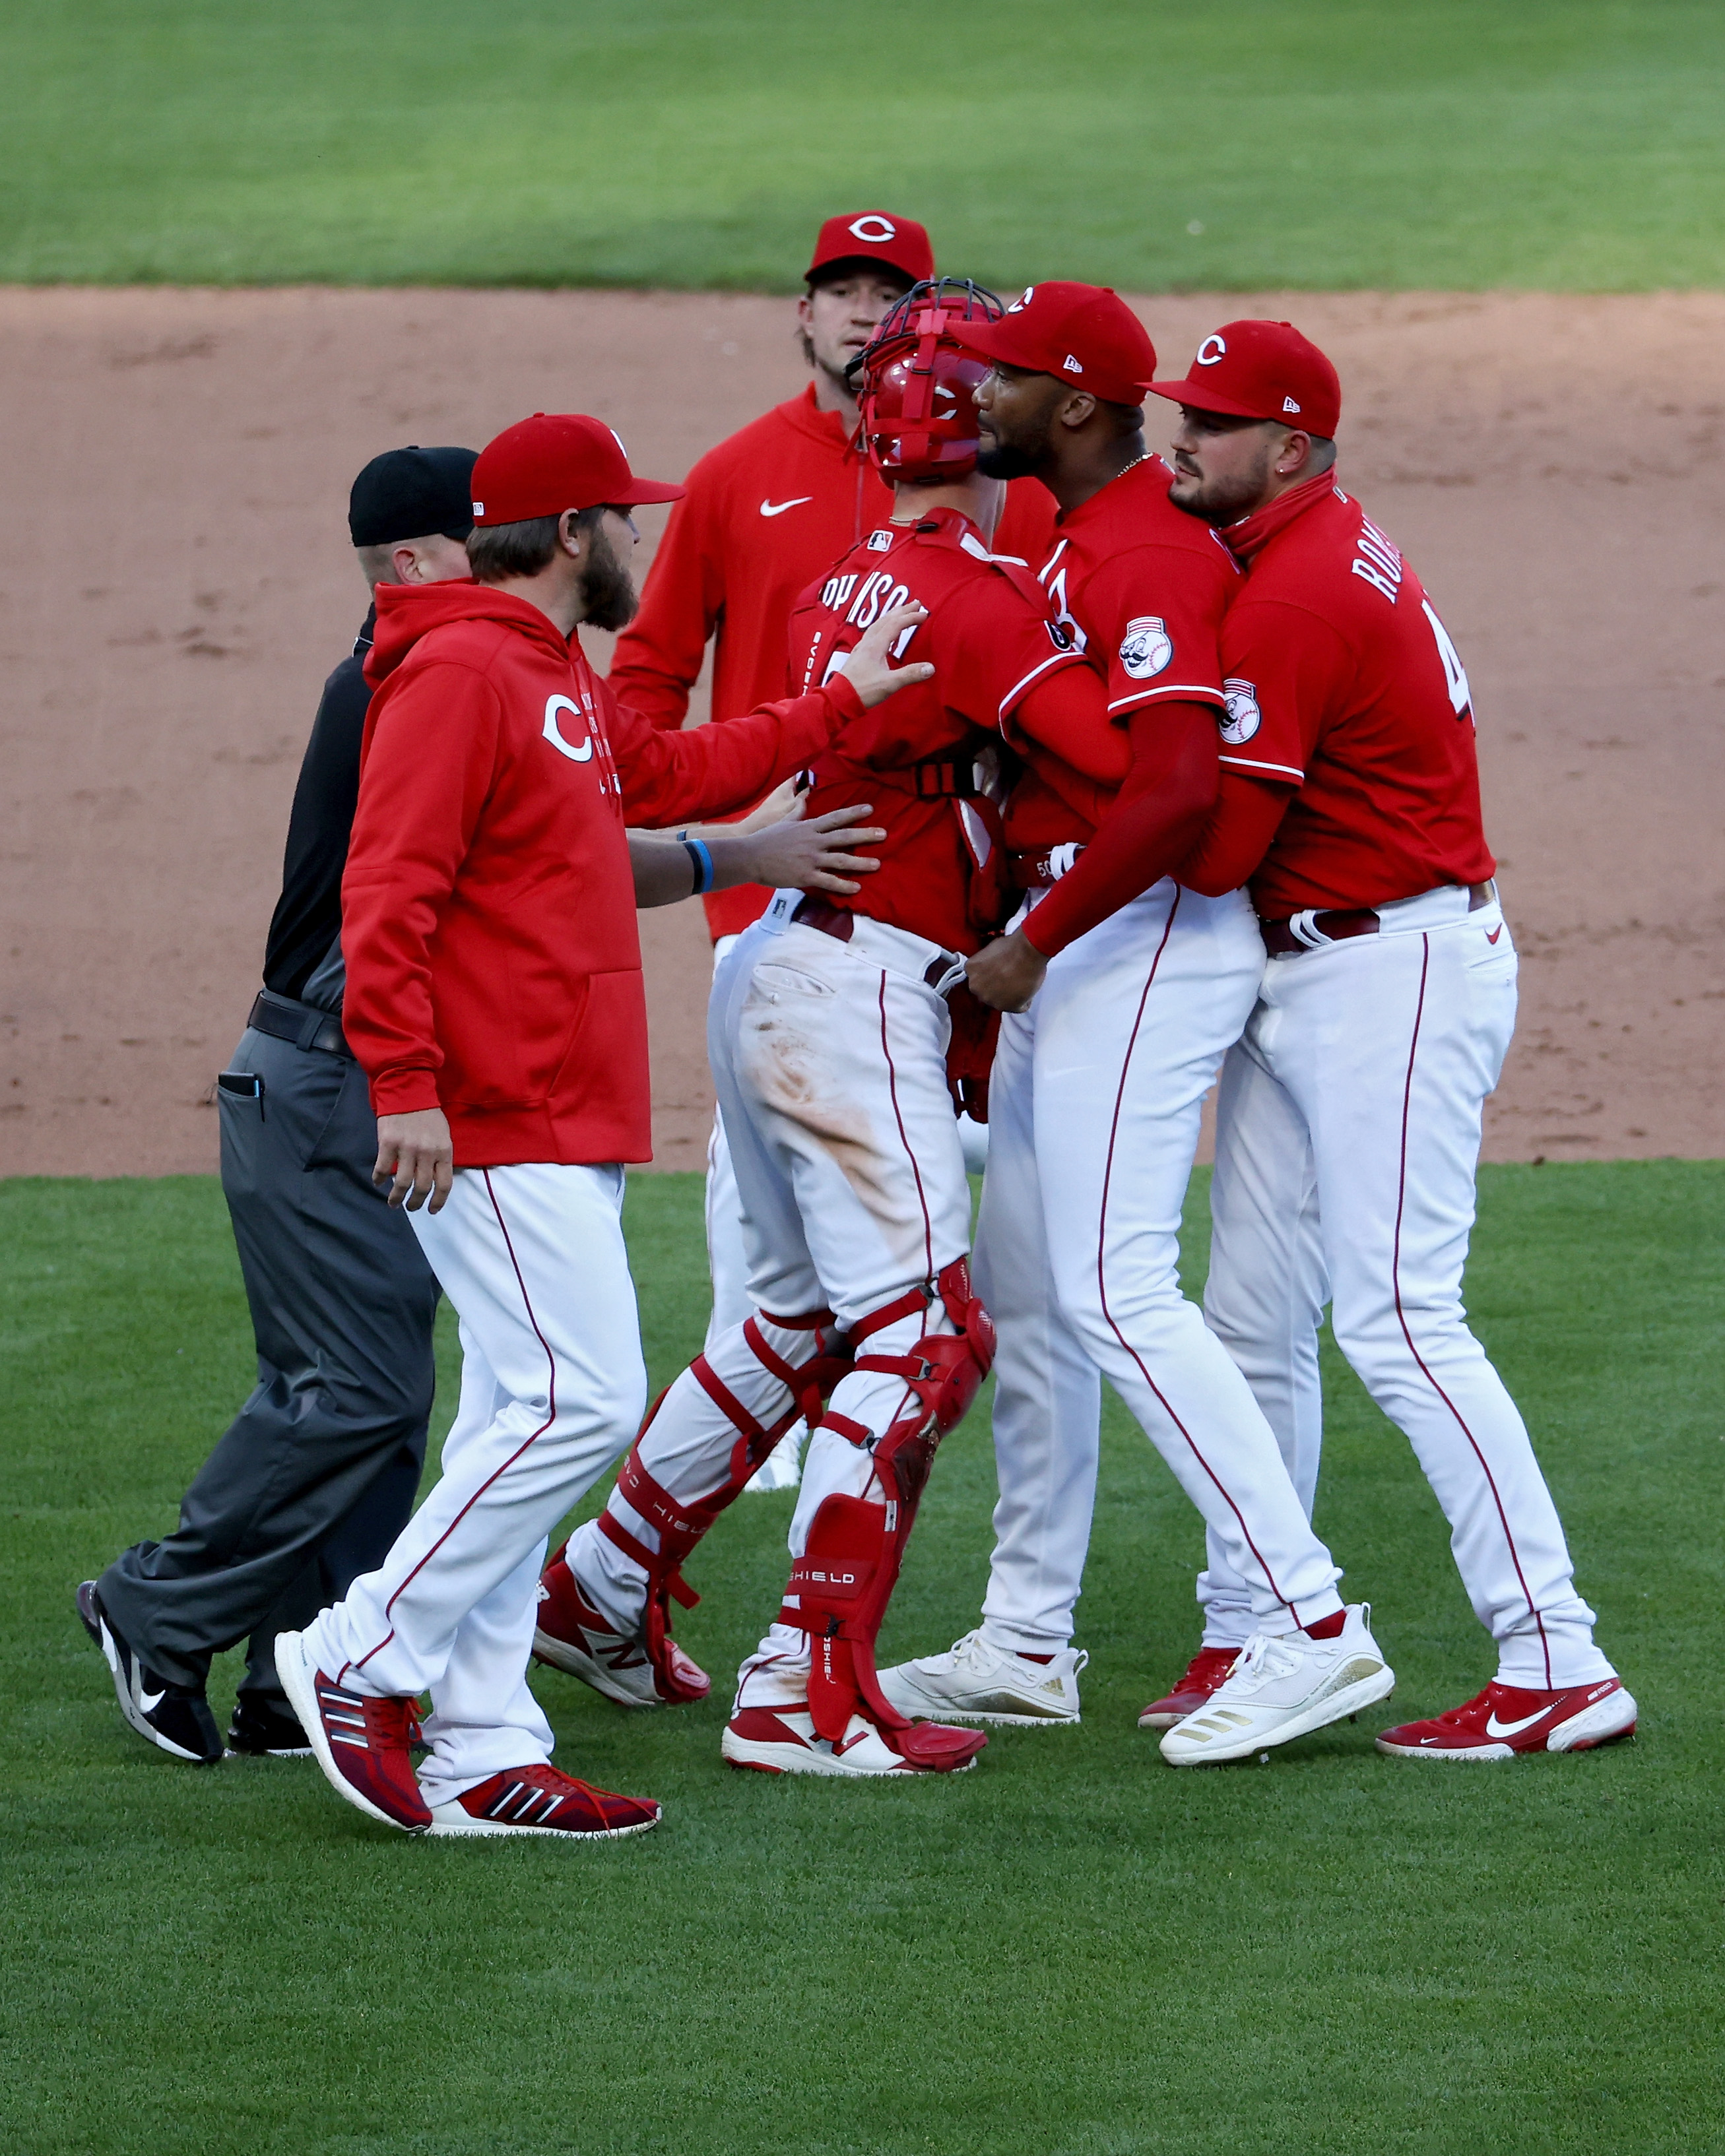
(1022, 300)
(1208, 357)
(553, 705)
(874, 231)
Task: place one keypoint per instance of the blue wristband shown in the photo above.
(696, 849)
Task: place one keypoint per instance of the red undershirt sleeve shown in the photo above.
(1170, 789)
(1241, 829)
(1066, 711)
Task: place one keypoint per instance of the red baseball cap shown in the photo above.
(1086, 334)
(554, 461)
(1261, 371)
(872, 235)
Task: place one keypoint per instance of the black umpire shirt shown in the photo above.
(308, 915)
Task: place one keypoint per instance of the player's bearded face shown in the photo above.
(1015, 421)
(1223, 466)
(608, 599)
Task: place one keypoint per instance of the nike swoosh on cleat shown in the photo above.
(149, 1702)
(1493, 1727)
(779, 508)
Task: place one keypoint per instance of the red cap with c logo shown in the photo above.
(872, 235)
(1261, 371)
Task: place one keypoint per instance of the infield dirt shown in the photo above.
(175, 581)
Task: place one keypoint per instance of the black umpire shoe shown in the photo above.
(177, 1717)
(266, 1731)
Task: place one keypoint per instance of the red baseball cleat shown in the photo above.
(1206, 1669)
(783, 1740)
(1505, 1720)
(538, 1799)
(571, 1635)
(360, 1743)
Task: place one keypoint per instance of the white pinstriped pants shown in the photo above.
(1094, 1115)
(552, 1391)
(1347, 1135)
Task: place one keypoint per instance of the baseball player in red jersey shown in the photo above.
(830, 1037)
(1139, 987)
(494, 998)
(764, 513)
(1349, 1115)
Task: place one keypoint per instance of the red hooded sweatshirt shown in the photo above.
(488, 905)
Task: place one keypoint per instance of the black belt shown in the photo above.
(283, 1019)
(840, 923)
(1281, 941)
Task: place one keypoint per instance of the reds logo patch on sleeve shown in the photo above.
(1147, 648)
(1243, 717)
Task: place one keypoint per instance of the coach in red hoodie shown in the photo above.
(494, 998)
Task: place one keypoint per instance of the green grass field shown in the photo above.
(1558, 144)
(1072, 1952)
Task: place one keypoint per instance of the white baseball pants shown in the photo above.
(728, 1261)
(553, 1389)
(830, 1062)
(1093, 1114)
(1348, 1136)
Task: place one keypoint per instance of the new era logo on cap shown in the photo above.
(1084, 332)
(1288, 405)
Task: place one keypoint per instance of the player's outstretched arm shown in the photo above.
(804, 856)
(674, 778)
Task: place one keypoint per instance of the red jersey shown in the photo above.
(1342, 682)
(488, 905)
(1143, 588)
(992, 641)
(766, 510)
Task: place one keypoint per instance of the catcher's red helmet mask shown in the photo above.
(919, 418)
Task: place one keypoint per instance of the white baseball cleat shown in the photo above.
(781, 1740)
(976, 1681)
(1284, 1686)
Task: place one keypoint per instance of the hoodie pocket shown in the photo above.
(606, 1052)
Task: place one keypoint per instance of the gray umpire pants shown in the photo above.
(316, 1475)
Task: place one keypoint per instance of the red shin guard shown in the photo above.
(681, 1524)
(844, 1579)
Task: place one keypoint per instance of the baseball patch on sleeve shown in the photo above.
(1147, 648)
(1243, 717)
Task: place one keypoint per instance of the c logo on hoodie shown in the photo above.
(553, 705)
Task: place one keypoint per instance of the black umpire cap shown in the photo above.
(407, 494)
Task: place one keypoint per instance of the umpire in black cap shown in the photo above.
(316, 1476)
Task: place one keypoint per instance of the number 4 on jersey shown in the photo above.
(1454, 673)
